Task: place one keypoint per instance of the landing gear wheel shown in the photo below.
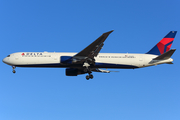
(87, 77)
(13, 67)
(14, 71)
(91, 76)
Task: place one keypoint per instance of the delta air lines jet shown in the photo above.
(90, 60)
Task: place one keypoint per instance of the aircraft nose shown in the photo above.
(5, 60)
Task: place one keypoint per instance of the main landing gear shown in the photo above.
(87, 70)
(90, 76)
(13, 67)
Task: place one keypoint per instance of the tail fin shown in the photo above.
(164, 45)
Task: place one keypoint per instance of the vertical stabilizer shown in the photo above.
(164, 45)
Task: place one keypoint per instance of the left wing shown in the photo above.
(92, 50)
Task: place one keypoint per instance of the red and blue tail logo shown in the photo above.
(164, 45)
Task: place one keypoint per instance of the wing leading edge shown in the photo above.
(86, 56)
(94, 48)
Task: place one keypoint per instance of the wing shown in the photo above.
(101, 70)
(92, 50)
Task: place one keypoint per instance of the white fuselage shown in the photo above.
(103, 60)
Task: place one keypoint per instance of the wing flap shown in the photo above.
(98, 49)
(101, 70)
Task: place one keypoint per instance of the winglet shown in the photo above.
(165, 55)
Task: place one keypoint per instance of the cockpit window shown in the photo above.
(8, 56)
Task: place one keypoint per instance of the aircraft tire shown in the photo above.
(91, 76)
(14, 71)
(87, 77)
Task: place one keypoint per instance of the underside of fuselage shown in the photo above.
(97, 65)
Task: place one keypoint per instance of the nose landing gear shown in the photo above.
(13, 67)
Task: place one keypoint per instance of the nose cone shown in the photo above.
(5, 60)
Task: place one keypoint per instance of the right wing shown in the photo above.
(101, 70)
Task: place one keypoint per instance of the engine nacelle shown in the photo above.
(73, 72)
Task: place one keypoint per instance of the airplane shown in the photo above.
(90, 60)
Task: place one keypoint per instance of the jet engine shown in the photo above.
(73, 72)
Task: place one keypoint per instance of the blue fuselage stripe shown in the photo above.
(97, 65)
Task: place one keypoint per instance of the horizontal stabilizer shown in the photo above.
(165, 55)
(170, 63)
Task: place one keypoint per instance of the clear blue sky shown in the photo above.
(151, 93)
